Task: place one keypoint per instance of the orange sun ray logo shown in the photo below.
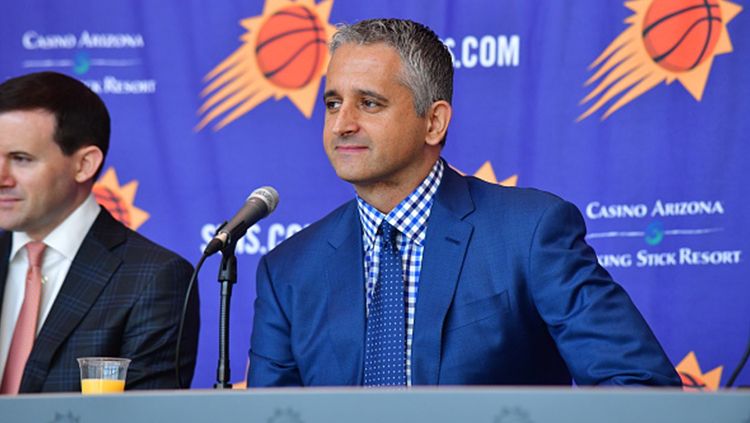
(487, 174)
(284, 54)
(667, 40)
(118, 200)
(693, 379)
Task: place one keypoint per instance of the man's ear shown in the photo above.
(88, 159)
(438, 118)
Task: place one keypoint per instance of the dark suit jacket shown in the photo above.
(122, 297)
(509, 293)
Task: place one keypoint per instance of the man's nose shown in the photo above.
(345, 121)
(6, 178)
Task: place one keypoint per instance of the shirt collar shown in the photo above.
(67, 237)
(410, 215)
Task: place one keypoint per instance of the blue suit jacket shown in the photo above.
(122, 297)
(509, 293)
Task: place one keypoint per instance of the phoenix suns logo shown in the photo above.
(693, 378)
(487, 174)
(667, 40)
(284, 54)
(118, 199)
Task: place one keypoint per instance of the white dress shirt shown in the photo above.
(62, 245)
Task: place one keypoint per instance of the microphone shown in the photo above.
(257, 206)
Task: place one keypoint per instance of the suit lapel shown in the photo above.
(445, 248)
(88, 275)
(346, 296)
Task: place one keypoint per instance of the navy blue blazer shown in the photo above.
(509, 293)
(122, 297)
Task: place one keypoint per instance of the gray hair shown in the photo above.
(427, 64)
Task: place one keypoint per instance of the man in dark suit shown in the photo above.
(74, 282)
(492, 286)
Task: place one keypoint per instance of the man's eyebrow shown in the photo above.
(360, 92)
(369, 93)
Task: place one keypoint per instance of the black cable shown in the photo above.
(182, 319)
(740, 365)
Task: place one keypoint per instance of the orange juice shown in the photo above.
(101, 386)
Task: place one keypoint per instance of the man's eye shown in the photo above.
(332, 104)
(22, 159)
(370, 104)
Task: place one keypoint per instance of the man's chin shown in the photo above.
(348, 175)
(9, 226)
(354, 178)
(13, 222)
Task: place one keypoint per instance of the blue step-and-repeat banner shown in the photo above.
(638, 112)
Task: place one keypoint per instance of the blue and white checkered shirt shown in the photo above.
(410, 219)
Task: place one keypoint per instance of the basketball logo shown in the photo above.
(284, 54)
(693, 378)
(118, 200)
(291, 47)
(487, 174)
(113, 203)
(681, 35)
(667, 40)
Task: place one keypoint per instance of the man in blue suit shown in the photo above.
(101, 289)
(494, 285)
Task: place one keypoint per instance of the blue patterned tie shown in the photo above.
(385, 350)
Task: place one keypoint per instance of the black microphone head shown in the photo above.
(268, 195)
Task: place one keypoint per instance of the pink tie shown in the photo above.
(23, 336)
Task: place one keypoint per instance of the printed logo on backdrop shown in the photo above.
(487, 174)
(87, 53)
(660, 220)
(484, 51)
(261, 239)
(666, 40)
(693, 379)
(284, 53)
(118, 199)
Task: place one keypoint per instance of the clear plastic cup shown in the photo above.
(102, 375)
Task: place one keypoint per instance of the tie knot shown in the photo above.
(388, 232)
(36, 252)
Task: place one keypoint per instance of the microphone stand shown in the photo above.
(227, 278)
